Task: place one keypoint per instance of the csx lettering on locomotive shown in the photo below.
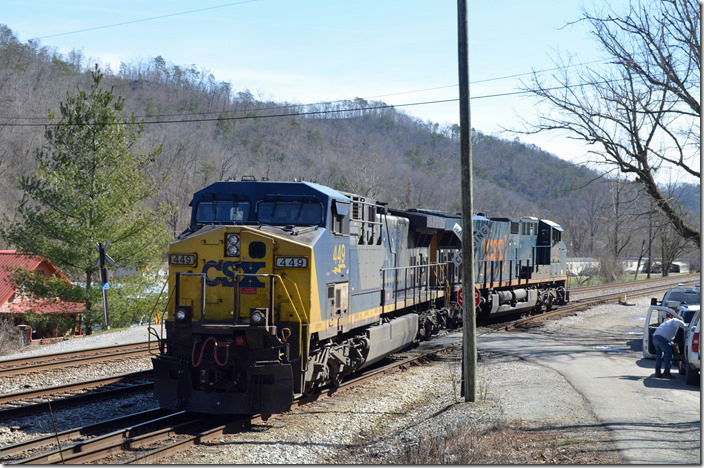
(229, 268)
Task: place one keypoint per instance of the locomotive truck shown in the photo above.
(279, 288)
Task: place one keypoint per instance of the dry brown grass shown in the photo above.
(516, 444)
(9, 337)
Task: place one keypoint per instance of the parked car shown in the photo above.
(690, 365)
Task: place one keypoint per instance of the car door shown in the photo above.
(653, 318)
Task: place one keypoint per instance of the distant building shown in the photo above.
(587, 266)
(581, 265)
(630, 264)
(14, 304)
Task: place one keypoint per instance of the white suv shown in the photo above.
(680, 295)
(690, 365)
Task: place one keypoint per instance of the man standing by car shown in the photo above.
(662, 340)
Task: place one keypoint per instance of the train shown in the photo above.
(278, 289)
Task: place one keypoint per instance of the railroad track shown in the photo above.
(145, 439)
(29, 448)
(582, 304)
(73, 358)
(37, 400)
(671, 281)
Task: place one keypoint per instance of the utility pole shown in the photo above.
(469, 343)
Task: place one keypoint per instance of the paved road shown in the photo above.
(652, 420)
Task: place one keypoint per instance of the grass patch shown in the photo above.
(508, 444)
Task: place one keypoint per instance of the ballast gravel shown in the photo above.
(19, 429)
(378, 422)
(33, 426)
(381, 420)
(136, 334)
(54, 377)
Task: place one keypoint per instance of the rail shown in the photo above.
(135, 442)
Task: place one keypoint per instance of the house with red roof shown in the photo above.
(15, 304)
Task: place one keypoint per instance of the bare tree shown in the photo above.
(620, 218)
(640, 113)
(672, 245)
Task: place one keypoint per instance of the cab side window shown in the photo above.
(340, 222)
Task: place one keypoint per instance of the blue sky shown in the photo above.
(319, 50)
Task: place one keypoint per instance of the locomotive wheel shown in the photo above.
(548, 306)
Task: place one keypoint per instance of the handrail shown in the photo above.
(422, 265)
(161, 322)
(420, 283)
(288, 295)
(272, 276)
(447, 283)
(300, 321)
(298, 293)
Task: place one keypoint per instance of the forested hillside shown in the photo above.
(211, 130)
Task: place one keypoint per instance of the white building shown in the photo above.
(577, 265)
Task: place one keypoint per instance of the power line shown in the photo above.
(491, 79)
(344, 100)
(243, 117)
(303, 114)
(144, 19)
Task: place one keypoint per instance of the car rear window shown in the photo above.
(687, 316)
(690, 297)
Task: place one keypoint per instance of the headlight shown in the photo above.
(256, 317)
(232, 245)
(182, 314)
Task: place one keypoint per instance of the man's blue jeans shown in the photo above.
(662, 349)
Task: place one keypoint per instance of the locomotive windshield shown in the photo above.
(297, 213)
(222, 212)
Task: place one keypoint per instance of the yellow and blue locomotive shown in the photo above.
(279, 288)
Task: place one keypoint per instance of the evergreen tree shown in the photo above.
(91, 185)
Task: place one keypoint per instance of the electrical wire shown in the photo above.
(278, 107)
(486, 80)
(301, 114)
(143, 19)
